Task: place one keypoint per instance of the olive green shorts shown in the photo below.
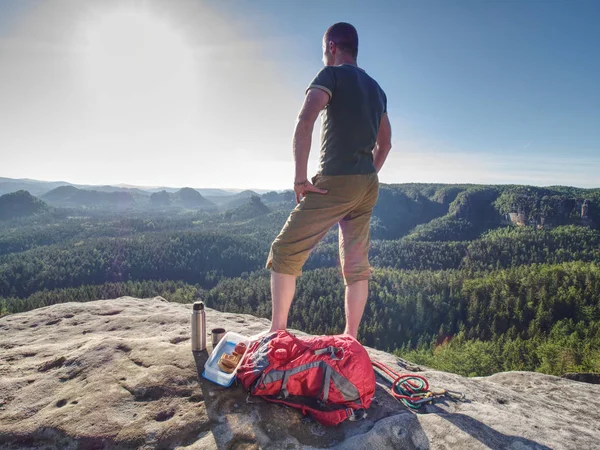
(349, 202)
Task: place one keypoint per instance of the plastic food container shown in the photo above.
(226, 345)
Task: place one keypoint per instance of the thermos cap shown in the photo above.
(198, 306)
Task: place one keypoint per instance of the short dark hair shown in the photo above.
(344, 36)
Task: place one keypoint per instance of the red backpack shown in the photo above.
(330, 377)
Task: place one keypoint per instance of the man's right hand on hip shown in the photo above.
(302, 187)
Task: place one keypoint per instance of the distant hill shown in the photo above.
(417, 211)
(70, 196)
(207, 192)
(161, 199)
(226, 202)
(402, 207)
(169, 190)
(431, 212)
(192, 199)
(186, 198)
(34, 187)
(279, 198)
(252, 208)
(20, 204)
(39, 188)
(60, 194)
(126, 199)
(108, 188)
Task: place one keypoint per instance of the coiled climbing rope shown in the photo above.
(412, 390)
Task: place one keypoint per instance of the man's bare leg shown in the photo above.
(283, 287)
(356, 299)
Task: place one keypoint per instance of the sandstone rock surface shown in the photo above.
(119, 374)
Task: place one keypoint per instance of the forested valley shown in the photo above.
(470, 279)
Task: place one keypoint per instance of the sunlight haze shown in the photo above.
(205, 94)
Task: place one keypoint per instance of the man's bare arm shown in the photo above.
(314, 102)
(384, 142)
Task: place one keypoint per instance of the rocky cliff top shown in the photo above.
(120, 374)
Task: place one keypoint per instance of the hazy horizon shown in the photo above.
(194, 93)
(250, 188)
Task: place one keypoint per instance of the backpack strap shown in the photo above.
(284, 375)
(283, 393)
(326, 417)
(326, 382)
(333, 351)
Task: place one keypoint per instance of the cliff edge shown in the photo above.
(118, 374)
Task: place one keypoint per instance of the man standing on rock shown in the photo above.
(355, 141)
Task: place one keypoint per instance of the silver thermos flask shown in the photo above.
(198, 327)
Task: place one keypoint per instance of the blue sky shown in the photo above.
(498, 74)
(478, 91)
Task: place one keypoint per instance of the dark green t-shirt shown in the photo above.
(350, 121)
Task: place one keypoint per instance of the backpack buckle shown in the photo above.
(333, 351)
(337, 350)
(260, 383)
(358, 414)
